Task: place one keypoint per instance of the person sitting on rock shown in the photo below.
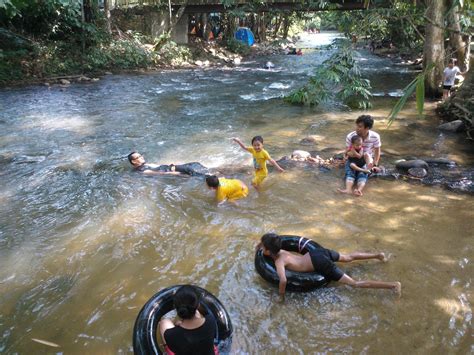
(322, 261)
(190, 169)
(227, 189)
(370, 141)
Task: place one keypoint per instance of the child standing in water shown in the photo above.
(260, 157)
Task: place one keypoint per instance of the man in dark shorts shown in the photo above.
(320, 260)
(191, 169)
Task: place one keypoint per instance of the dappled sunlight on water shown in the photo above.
(84, 241)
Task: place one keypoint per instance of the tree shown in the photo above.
(433, 52)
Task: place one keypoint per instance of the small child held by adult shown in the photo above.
(356, 167)
(260, 157)
(227, 189)
(322, 261)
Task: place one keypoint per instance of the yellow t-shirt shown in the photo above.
(260, 160)
(231, 189)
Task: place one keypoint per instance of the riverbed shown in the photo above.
(85, 241)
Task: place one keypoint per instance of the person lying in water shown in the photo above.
(321, 261)
(227, 189)
(191, 169)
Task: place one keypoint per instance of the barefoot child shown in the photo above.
(356, 169)
(260, 157)
(321, 261)
(227, 189)
(449, 76)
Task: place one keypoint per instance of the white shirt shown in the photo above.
(450, 75)
(372, 141)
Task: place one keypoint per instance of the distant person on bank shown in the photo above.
(449, 76)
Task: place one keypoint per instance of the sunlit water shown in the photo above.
(84, 241)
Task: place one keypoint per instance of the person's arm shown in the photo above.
(239, 142)
(355, 167)
(275, 164)
(280, 268)
(153, 172)
(377, 152)
(352, 153)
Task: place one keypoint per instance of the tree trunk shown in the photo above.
(205, 27)
(286, 26)
(277, 25)
(455, 38)
(107, 16)
(433, 51)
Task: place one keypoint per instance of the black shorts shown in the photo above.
(447, 87)
(323, 263)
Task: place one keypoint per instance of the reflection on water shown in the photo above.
(84, 242)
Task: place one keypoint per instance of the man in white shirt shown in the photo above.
(449, 76)
(371, 147)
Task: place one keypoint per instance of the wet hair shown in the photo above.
(186, 301)
(453, 61)
(272, 242)
(212, 181)
(130, 156)
(367, 120)
(257, 139)
(355, 138)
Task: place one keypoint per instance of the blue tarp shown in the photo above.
(244, 35)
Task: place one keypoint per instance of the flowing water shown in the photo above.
(85, 242)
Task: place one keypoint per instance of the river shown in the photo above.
(85, 242)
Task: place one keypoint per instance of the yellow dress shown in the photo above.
(260, 164)
(231, 189)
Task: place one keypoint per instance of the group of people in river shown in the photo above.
(362, 156)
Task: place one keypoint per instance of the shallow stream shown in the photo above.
(85, 242)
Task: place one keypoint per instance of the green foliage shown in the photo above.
(338, 76)
(416, 86)
(237, 47)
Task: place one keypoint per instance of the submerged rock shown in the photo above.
(417, 172)
(408, 164)
(64, 82)
(454, 126)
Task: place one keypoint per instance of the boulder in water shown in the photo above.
(408, 164)
(439, 161)
(417, 172)
(453, 126)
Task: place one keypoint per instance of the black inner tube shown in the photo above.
(296, 281)
(146, 324)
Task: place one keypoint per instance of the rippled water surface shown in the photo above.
(84, 241)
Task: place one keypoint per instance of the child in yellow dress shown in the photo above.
(227, 189)
(260, 157)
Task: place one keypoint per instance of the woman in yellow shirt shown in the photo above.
(260, 157)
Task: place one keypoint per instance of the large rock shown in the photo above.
(439, 161)
(409, 164)
(453, 126)
(417, 172)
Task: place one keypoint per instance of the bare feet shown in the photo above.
(357, 192)
(343, 191)
(398, 288)
(382, 257)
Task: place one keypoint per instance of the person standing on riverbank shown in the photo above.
(260, 157)
(371, 144)
(449, 76)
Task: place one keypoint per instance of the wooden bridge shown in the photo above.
(207, 6)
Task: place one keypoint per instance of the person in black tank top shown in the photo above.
(191, 169)
(195, 333)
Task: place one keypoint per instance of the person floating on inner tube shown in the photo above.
(194, 333)
(321, 261)
(227, 189)
(192, 169)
